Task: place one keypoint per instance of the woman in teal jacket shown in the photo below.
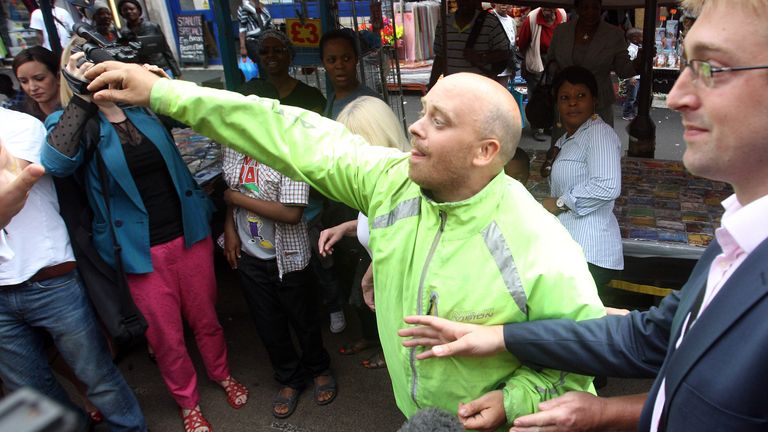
(159, 217)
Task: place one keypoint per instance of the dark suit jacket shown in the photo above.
(717, 380)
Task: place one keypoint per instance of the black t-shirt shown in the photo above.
(157, 191)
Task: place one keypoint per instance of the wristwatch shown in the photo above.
(560, 204)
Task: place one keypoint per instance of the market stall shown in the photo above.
(663, 212)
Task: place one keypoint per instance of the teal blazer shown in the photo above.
(130, 220)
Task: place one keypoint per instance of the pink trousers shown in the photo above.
(182, 285)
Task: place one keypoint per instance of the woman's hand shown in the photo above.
(551, 205)
(366, 284)
(328, 238)
(77, 66)
(485, 414)
(232, 245)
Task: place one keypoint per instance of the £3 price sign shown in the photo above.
(303, 35)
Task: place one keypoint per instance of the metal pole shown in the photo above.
(46, 7)
(229, 58)
(642, 130)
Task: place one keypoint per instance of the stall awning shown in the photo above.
(607, 4)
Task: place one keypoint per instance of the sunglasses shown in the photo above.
(546, 167)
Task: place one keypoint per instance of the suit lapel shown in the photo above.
(746, 286)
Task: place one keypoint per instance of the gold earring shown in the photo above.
(559, 125)
(594, 116)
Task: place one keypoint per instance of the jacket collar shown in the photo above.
(470, 216)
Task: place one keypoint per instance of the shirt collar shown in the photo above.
(746, 224)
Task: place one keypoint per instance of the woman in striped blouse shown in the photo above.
(585, 167)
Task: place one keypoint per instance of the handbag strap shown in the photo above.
(475, 32)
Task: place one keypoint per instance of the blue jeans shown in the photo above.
(629, 108)
(60, 307)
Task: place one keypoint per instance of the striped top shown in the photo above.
(587, 176)
(491, 37)
(253, 22)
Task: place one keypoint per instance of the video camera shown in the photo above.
(97, 49)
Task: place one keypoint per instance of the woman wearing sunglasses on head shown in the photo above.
(585, 167)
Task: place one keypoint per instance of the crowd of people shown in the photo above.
(453, 257)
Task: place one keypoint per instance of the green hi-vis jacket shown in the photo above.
(495, 258)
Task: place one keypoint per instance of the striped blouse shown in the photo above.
(587, 176)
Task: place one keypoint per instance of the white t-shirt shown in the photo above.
(363, 232)
(37, 234)
(62, 17)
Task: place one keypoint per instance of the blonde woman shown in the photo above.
(374, 120)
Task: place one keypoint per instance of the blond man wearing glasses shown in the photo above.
(706, 344)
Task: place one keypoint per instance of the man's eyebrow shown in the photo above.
(698, 49)
(435, 107)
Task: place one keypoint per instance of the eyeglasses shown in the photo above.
(704, 71)
(546, 167)
(273, 50)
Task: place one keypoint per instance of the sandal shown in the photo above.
(376, 361)
(357, 347)
(289, 401)
(194, 420)
(329, 387)
(235, 391)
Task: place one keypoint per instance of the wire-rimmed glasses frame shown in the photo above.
(704, 71)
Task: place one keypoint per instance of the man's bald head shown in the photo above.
(496, 112)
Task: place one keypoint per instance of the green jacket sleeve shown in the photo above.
(569, 294)
(300, 144)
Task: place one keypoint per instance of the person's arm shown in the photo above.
(524, 36)
(438, 64)
(13, 194)
(167, 53)
(630, 345)
(603, 183)
(584, 412)
(232, 241)
(280, 141)
(72, 130)
(331, 236)
(243, 51)
(269, 209)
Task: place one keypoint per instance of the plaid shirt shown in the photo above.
(291, 241)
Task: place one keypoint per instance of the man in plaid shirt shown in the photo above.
(265, 239)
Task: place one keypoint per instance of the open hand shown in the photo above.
(449, 338)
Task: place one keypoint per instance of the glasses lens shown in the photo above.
(705, 73)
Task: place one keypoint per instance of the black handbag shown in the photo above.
(540, 110)
(106, 287)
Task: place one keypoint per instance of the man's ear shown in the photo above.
(487, 152)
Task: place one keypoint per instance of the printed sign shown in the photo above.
(191, 41)
(303, 35)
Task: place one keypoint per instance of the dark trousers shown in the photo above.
(275, 307)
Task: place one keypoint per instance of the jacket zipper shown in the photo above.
(420, 303)
(432, 309)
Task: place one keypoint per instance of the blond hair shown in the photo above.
(65, 93)
(696, 6)
(374, 120)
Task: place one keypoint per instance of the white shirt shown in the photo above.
(37, 234)
(587, 176)
(6, 253)
(742, 231)
(36, 22)
(363, 232)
